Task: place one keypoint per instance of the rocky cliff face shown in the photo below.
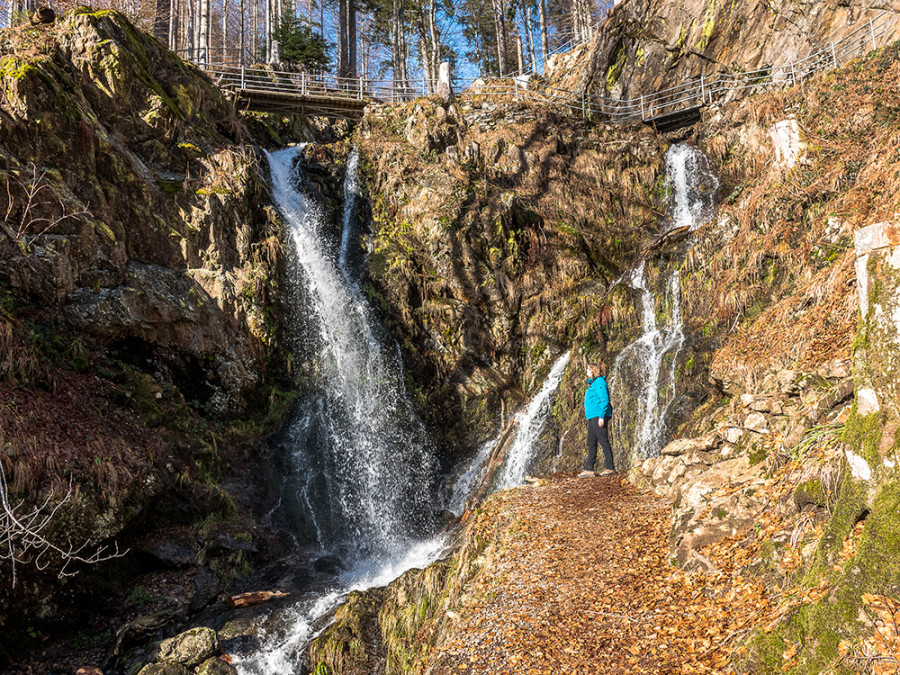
(497, 233)
(644, 46)
(783, 466)
(140, 271)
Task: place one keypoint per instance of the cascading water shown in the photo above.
(531, 422)
(643, 363)
(361, 476)
(643, 377)
(348, 258)
(365, 463)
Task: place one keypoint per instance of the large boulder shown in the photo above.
(190, 648)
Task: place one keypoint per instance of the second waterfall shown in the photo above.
(643, 378)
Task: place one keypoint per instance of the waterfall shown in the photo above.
(361, 470)
(642, 365)
(470, 479)
(349, 233)
(693, 185)
(530, 422)
(363, 459)
(643, 377)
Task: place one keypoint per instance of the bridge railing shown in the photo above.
(722, 87)
(267, 80)
(698, 92)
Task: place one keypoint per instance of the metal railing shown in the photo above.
(705, 90)
(695, 93)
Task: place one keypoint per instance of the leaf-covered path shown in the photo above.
(581, 583)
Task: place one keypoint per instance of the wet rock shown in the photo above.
(216, 666)
(89, 670)
(206, 587)
(189, 648)
(329, 564)
(164, 669)
(173, 552)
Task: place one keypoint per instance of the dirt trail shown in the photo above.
(582, 584)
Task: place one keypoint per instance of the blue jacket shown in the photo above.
(596, 399)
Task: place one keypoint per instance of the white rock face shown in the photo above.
(858, 466)
(868, 240)
(756, 422)
(790, 148)
(867, 401)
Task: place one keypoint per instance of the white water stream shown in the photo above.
(361, 466)
(530, 422)
(647, 365)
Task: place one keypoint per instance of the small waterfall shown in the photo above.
(469, 480)
(643, 365)
(350, 232)
(530, 422)
(361, 478)
(693, 185)
(643, 377)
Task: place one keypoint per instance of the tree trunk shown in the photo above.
(500, 25)
(542, 11)
(204, 31)
(162, 20)
(519, 54)
(341, 54)
(532, 56)
(435, 39)
(397, 40)
(173, 25)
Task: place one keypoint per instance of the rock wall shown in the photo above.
(644, 46)
(140, 273)
(497, 233)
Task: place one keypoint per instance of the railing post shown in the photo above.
(360, 89)
(583, 111)
(872, 31)
(793, 74)
(833, 55)
(642, 108)
(242, 77)
(702, 92)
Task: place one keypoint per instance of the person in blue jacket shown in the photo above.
(598, 412)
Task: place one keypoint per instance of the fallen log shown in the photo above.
(253, 598)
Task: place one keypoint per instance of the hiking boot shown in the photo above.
(586, 474)
(606, 472)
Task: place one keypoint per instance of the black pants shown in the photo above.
(597, 433)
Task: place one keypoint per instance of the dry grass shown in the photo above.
(785, 278)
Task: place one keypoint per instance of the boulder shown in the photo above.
(190, 648)
(685, 445)
(756, 422)
(89, 670)
(164, 669)
(788, 381)
(217, 666)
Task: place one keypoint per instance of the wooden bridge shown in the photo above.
(266, 89)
